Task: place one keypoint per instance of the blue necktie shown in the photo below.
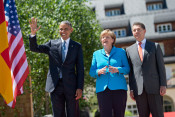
(63, 51)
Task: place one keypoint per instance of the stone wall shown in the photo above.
(24, 104)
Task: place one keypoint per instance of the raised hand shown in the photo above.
(33, 26)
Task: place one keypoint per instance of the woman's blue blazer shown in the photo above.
(114, 81)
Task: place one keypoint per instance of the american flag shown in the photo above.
(15, 54)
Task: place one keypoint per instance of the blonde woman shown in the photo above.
(109, 65)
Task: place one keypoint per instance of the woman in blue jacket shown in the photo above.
(109, 65)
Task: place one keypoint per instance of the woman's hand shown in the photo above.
(102, 71)
(33, 26)
(113, 69)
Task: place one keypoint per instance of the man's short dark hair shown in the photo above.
(66, 22)
(140, 24)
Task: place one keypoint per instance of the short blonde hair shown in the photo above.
(110, 33)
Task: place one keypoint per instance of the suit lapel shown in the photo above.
(147, 50)
(103, 52)
(59, 48)
(136, 52)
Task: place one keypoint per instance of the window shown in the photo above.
(132, 109)
(167, 106)
(154, 6)
(164, 28)
(120, 32)
(112, 12)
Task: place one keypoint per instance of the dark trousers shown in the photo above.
(149, 103)
(60, 99)
(112, 103)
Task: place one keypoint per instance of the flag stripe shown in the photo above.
(21, 72)
(5, 81)
(20, 91)
(20, 83)
(9, 36)
(19, 77)
(16, 50)
(2, 19)
(11, 39)
(10, 104)
(25, 73)
(3, 38)
(5, 55)
(17, 58)
(14, 43)
(18, 66)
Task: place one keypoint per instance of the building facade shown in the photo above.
(159, 19)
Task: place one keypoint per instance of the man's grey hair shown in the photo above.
(66, 22)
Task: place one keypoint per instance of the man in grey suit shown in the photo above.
(147, 77)
(65, 77)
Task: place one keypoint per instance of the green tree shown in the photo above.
(49, 14)
(128, 113)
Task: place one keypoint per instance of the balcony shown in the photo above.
(169, 59)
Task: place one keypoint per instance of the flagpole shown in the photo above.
(31, 97)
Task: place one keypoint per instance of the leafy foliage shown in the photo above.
(49, 14)
(128, 113)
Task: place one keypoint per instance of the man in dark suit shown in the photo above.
(147, 77)
(65, 77)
